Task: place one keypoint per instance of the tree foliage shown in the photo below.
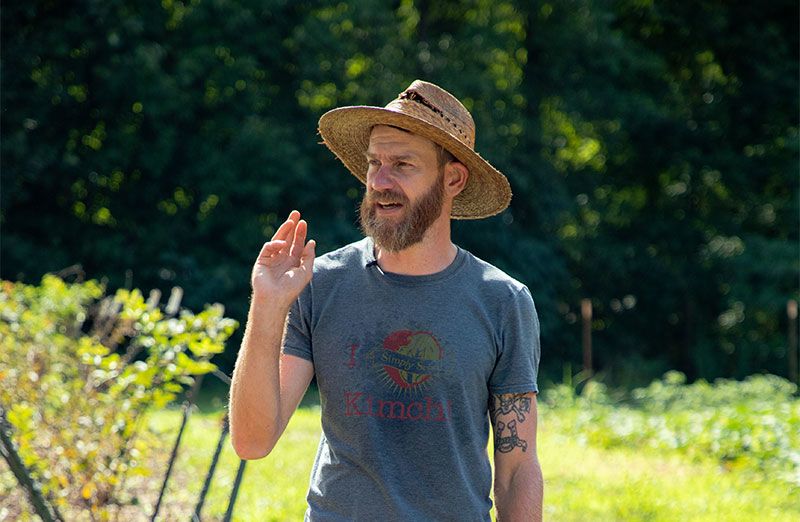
(652, 148)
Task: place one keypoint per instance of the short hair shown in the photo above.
(443, 156)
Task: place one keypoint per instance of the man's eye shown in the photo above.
(374, 163)
(403, 164)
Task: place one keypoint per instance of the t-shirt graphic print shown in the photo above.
(406, 363)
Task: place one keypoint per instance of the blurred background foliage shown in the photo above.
(79, 373)
(652, 148)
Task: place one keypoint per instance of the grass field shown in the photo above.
(722, 451)
(582, 482)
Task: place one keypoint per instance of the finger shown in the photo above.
(299, 240)
(307, 258)
(270, 248)
(286, 228)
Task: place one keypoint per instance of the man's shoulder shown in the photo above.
(493, 278)
(348, 257)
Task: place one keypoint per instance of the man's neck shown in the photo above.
(431, 255)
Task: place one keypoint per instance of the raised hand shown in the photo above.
(285, 264)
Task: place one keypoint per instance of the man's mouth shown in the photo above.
(389, 206)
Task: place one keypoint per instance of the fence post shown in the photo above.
(791, 312)
(586, 315)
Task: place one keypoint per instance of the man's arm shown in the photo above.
(268, 386)
(518, 482)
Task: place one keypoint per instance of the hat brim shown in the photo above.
(346, 131)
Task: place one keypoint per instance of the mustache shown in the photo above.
(385, 196)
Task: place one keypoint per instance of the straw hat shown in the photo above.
(429, 111)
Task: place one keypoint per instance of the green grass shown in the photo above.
(589, 483)
(582, 482)
(273, 489)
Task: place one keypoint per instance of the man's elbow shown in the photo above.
(252, 446)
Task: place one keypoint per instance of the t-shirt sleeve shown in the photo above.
(517, 366)
(297, 340)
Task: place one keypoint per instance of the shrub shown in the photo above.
(78, 373)
(751, 424)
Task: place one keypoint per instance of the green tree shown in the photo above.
(652, 150)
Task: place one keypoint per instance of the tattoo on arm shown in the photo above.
(506, 411)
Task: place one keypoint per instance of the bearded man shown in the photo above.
(417, 345)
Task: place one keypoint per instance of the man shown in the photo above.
(416, 344)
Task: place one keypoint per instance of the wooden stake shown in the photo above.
(586, 314)
(791, 312)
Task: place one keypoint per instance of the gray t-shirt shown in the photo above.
(405, 367)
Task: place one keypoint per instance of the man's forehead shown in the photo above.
(385, 135)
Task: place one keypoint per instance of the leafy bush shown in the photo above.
(752, 424)
(78, 373)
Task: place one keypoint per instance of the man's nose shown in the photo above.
(381, 179)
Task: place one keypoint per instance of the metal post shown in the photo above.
(210, 475)
(187, 405)
(235, 492)
(47, 512)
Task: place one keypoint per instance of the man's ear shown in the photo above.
(456, 175)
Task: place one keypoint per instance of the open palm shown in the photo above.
(285, 264)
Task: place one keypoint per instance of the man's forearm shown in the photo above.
(255, 407)
(521, 498)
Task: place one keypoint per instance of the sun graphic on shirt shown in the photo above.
(409, 359)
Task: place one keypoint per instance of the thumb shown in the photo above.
(307, 257)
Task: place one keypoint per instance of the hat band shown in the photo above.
(417, 97)
(414, 96)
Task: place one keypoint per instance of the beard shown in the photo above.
(394, 234)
